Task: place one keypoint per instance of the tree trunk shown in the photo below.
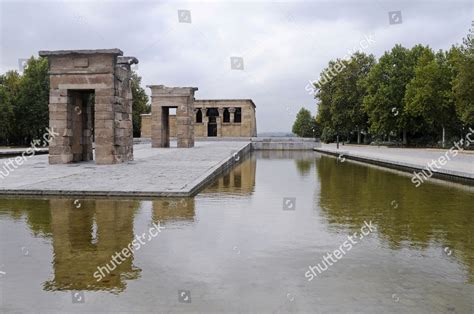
(444, 137)
(404, 137)
(358, 136)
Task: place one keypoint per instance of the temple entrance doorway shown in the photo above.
(81, 108)
(212, 113)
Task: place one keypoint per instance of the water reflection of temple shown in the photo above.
(170, 210)
(418, 217)
(240, 180)
(85, 238)
(86, 234)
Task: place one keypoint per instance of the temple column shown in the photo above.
(232, 112)
(219, 120)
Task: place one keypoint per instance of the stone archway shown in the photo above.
(76, 75)
(163, 98)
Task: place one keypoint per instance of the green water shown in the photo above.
(238, 246)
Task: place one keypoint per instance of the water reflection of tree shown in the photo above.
(404, 214)
(36, 213)
(304, 166)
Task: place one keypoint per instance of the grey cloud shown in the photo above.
(284, 44)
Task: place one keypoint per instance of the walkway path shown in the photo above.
(461, 165)
(154, 172)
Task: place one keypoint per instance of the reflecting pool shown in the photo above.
(246, 244)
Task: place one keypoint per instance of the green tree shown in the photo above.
(140, 103)
(325, 94)
(9, 90)
(386, 84)
(340, 109)
(305, 124)
(429, 98)
(347, 110)
(31, 109)
(463, 83)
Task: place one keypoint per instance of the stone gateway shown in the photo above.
(90, 102)
(162, 99)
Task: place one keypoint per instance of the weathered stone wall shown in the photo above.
(173, 126)
(246, 128)
(123, 122)
(145, 131)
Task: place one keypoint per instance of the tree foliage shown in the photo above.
(305, 124)
(24, 103)
(140, 103)
(9, 91)
(463, 84)
(413, 95)
(429, 97)
(340, 108)
(386, 86)
(33, 101)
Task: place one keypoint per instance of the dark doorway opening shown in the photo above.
(165, 125)
(238, 115)
(212, 113)
(199, 116)
(212, 127)
(226, 115)
(81, 112)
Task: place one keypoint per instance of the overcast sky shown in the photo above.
(283, 44)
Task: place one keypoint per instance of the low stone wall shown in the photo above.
(257, 143)
(284, 143)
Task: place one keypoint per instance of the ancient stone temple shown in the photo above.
(213, 118)
(162, 99)
(90, 102)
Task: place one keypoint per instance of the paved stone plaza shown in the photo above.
(462, 165)
(153, 172)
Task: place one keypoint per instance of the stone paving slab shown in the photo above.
(461, 165)
(154, 172)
